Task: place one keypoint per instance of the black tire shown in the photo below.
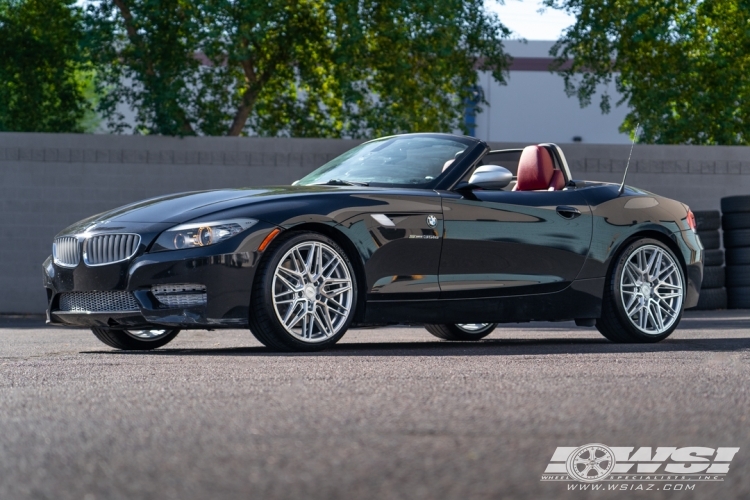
(707, 220)
(455, 332)
(121, 339)
(730, 222)
(738, 276)
(710, 239)
(737, 239)
(713, 277)
(713, 258)
(738, 297)
(264, 323)
(737, 256)
(711, 299)
(614, 322)
(735, 204)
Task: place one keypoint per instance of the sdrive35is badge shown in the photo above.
(431, 220)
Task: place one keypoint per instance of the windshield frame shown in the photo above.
(469, 154)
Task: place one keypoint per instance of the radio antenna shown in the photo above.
(635, 136)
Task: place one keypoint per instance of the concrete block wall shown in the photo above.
(48, 181)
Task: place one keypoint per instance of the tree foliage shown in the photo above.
(682, 66)
(324, 68)
(43, 76)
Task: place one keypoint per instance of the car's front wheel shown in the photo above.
(135, 340)
(304, 294)
(462, 331)
(644, 296)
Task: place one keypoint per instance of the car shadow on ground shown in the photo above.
(487, 347)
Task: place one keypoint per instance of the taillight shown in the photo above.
(691, 221)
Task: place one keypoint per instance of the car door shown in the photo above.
(399, 238)
(498, 243)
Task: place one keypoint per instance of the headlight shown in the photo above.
(201, 234)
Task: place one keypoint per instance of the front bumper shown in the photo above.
(226, 270)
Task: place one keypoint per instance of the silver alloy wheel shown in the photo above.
(147, 334)
(474, 327)
(651, 289)
(312, 291)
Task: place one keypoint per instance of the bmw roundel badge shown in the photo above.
(431, 220)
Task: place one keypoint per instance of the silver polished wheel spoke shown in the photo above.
(289, 274)
(651, 289)
(312, 291)
(336, 308)
(669, 286)
(290, 287)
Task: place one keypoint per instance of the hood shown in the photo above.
(184, 207)
(162, 212)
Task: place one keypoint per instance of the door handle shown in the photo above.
(568, 212)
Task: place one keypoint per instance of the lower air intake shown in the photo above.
(180, 296)
(85, 302)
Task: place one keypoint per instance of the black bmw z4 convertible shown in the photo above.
(431, 229)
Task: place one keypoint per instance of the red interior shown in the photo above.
(536, 171)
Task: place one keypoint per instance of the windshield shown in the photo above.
(392, 160)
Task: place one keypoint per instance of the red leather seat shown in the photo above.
(536, 171)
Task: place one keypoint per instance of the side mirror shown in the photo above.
(490, 177)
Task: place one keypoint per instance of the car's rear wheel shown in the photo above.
(644, 296)
(462, 331)
(135, 340)
(304, 295)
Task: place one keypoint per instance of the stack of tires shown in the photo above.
(713, 294)
(735, 221)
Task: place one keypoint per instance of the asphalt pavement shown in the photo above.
(388, 413)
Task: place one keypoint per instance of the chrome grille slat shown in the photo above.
(104, 249)
(85, 302)
(66, 251)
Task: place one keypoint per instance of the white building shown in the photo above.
(533, 106)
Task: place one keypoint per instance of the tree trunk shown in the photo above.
(248, 98)
(136, 40)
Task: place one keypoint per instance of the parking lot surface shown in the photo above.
(387, 413)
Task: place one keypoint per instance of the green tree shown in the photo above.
(325, 68)
(681, 66)
(43, 76)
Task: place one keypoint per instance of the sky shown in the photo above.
(522, 17)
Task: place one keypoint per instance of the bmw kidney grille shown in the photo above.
(110, 248)
(66, 251)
